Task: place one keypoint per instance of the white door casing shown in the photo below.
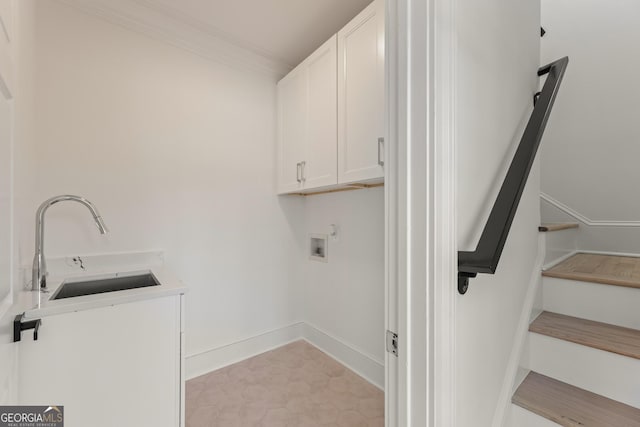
(421, 255)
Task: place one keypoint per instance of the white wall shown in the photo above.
(590, 157)
(498, 56)
(589, 160)
(178, 153)
(25, 143)
(608, 237)
(344, 297)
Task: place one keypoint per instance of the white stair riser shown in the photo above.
(601, 372)
(616, 305)
(520, 417)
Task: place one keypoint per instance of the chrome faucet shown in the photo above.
(39, 277)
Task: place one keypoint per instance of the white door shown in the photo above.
(292, 118)
(361, 82)
(320, 166)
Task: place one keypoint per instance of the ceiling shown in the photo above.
(283, 30)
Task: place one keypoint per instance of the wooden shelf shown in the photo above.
(347, 187)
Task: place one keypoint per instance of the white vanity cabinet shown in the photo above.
(361, 96)
(307, 128)
(117, 365)
(331, 110)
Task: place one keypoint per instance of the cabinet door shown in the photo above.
(320, 162)
(109, 366)
(361, 96)
(292, 119)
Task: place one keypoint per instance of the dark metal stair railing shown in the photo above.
(484, 259)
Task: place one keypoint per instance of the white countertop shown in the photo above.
(36, 305)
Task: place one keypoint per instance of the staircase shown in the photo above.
(583, 351)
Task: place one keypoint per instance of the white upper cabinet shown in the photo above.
(292, 117)
(307, 123)
(361, 96)
(320, 167)
(331, 110)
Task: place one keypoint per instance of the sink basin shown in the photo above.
(77, 288)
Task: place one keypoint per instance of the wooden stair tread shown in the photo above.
(557, 226)
(570, 406)
(603, 336)
(597, 268)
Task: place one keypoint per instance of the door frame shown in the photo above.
(420, 212)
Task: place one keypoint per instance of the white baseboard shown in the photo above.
(366, 366)
(585, 220)
(208, 361)
(605, 235)
(612, 253)
(500, 417)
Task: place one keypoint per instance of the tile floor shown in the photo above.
(296, 385)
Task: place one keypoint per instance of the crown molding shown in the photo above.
(171, 27)
(583, 219)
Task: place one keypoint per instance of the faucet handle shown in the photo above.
(19, 326)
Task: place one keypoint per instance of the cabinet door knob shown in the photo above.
(298, 174)
(380, 151)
